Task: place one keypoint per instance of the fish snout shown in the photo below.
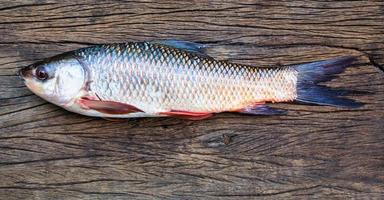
(25, 72)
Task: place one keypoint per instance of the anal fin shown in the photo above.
(262, 110)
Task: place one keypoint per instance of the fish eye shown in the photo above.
(41, 74)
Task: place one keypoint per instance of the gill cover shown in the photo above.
(66, 78)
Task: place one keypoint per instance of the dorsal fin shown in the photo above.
(183, 45)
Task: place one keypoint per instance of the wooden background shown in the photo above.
(313, 152)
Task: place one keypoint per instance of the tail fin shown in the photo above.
(309, 74)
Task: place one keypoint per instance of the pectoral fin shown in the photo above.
(107, 107)
(187, 115)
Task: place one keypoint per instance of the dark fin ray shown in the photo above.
(322, 71)
(187, 115)
(341, 92)
(319, 95)
(309, 74)
(108, 107)
(262, 110)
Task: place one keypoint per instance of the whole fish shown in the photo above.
(175, 78)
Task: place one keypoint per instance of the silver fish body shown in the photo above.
(155, 79)
(158, 78)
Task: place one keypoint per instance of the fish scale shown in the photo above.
(159, 78)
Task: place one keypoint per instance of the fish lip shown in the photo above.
(25, 72)
(18, 73)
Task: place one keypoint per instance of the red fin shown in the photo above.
(187, 115)
(108, 107)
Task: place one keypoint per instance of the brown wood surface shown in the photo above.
(313, 152)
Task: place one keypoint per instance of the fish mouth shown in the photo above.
(25, 72)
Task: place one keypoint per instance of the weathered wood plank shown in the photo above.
(313, 152)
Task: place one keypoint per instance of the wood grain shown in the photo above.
(313, 152)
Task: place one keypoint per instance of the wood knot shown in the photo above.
(218, 140)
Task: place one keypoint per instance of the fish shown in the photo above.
(175, 78)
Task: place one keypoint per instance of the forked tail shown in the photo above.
(310, 74)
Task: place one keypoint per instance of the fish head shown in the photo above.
(59, 79)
